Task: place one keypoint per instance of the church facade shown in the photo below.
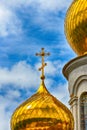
(76, 73)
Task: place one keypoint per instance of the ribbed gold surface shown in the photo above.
(42, 112)
(76, 26)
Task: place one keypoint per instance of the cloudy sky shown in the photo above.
(25, 27)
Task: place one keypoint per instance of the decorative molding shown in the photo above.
(81, 79)
(73, 64)
(74, 99)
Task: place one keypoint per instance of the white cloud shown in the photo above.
(53, 5)
(27, 76)
(9, 23)
(4, 120)
(61, 92)
(53, 68)
(65, 49)
(12, 94)
(50, 69)
(6, 107)
(4, 116)
(21, 74)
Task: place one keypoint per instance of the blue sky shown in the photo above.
(26, 27)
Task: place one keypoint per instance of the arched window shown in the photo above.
(83, 111)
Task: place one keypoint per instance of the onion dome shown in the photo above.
(76, 26)
(42, 111)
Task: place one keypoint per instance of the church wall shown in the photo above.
(76, 73)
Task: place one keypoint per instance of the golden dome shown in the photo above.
(76, 26)
(42, 111)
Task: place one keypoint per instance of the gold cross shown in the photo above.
(42, 54)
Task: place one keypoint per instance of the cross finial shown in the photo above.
(42, 54)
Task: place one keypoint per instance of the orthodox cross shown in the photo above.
(42, 54)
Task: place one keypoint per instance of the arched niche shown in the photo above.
(83, 111)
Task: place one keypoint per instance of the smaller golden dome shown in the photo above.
(42, 112)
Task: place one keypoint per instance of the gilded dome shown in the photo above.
(42, 111)
(76, 26)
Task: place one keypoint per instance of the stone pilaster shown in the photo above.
(74, 109)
